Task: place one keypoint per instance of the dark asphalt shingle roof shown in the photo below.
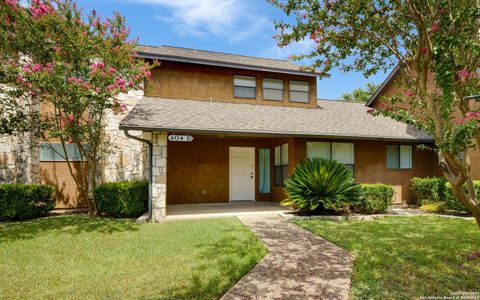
(329, 119)
(221, 59)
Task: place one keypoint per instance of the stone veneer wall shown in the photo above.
(125, 158)
(19, 159)
(159, 189)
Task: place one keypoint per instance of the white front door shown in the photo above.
(242, 173)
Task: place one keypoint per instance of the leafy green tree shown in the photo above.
(430, 41)
(361, 94)
(71, 67)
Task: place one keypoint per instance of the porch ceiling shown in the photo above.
(329, 119)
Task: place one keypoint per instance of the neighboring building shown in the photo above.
(252, 121)
(391, 87)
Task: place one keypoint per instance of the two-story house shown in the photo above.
(228, 128)
(232, 128)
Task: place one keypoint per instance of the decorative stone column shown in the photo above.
(159, 192)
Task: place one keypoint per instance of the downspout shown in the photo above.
(150, 169)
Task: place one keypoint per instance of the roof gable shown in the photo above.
(221, 59)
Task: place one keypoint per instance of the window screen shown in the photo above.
(55, 152)
(272, 89)
(244, 87)
(299, 91)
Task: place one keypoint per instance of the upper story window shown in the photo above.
(341, 152)
(299, 91)
(399, 156)
(272, 89)
(244, 87)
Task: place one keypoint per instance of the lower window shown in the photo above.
(55, 152)
(342, 152)
(264, 170)
(399, 156)
(281, 164)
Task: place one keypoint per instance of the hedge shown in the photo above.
(428, 190)
(375, 198)
(124, 199)
(452, 202)
(25, 201)
(438, 190)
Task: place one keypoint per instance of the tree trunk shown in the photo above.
(458, 180)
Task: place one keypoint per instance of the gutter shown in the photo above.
(150, 169)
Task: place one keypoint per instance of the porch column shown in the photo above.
(159, 192)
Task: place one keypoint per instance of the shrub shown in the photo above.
(124, 199)
(428, 190)
(452, 202)
(433, 207)
(319, 185)
(375, 199)
(25, 201)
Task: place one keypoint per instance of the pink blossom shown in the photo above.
(12, 3)
(112, 71)
(38, 9)
(86, 85)
(472, 114)
(131, 84)
(97, 66)
(26, 68)
(36, 68)
(21, 79)
(119, 82)
(147, 74)
(409, 93)
(435, 27)
(71, 79)
(71, 119)
(463, 74)
(110, 88)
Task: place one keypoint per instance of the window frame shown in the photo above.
(282, 166)
(243, 86)
(298, 91)
(273, 89)
(398, 158)
(330, 143)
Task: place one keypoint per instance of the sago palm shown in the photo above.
(320, 184)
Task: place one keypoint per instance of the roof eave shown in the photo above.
(271, 133)
(148, 55)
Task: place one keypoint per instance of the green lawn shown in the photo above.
(407, 257)
(77, 257)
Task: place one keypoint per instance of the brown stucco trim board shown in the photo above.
(147, 55)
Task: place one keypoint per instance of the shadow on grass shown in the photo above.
(63, 224)
(232, 257)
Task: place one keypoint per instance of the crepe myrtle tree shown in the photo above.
(430, 41)
(71, 67)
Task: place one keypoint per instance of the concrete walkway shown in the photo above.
(299, 265)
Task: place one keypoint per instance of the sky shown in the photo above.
(232, 26)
